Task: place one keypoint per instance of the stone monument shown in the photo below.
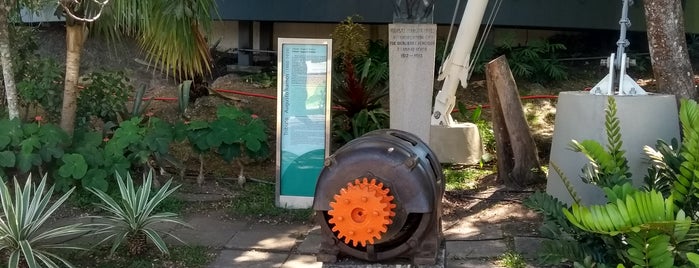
(412, 45)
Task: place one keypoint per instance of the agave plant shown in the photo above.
(131, 219)
(22, 231)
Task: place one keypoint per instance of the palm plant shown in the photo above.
(170, 31)
(22, 231)
(131, 219)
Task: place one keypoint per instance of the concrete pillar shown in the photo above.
(581, 116)
(411, 62)
(245, 41)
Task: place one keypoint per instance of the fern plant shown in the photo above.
(650, 227)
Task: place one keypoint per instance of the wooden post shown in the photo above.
(517, 159)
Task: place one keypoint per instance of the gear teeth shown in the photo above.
(362, 211)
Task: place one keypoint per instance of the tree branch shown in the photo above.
(65, 4)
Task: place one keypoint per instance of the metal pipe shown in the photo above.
(624, 22)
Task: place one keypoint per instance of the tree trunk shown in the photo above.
(75, 38)
(8, 74)
(518, 162)
(668, 48)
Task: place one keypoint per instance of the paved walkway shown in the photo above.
(246, 244)
(469, 242)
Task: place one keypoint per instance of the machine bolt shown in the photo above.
(347, 201)
(411, 162)
(390, 150)
(369, 230)
(340, 218)
(364, 199)
(328, 162)
(375, 213)
(350, 233)
(412, 243)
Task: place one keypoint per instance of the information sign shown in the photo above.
(303, 118)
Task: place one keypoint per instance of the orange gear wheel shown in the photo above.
(361, 212)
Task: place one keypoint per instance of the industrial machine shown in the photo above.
(379, 198)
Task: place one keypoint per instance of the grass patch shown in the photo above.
(512, 260)
(180, 257)
(170, 204)
(256, 200)
(464, 179)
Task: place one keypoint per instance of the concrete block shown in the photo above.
(309, 245)
(528, 246)
(467, 230)
(217, 232)
(458, 144)
(298, 261)
(580, 116)
(271, 238)
(475, 249)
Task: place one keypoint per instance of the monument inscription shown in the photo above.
(411, 62)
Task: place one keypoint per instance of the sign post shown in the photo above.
(303, 118)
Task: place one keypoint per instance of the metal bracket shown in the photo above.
(626, 85)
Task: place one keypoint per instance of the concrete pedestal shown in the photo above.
(581, 116)
(459, 144)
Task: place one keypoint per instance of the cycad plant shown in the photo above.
(23, 234)
(130, 219)
(655, 226)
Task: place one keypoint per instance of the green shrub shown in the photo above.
(23, 233)
(536, 61)
(360, 82)
(29, 146)
(234, 135)
(651, 227)
(131, 218)
(104, 97)
(41, 85)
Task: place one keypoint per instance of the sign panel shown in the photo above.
(303, 118)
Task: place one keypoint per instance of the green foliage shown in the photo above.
(103, 97)
(349, 38)
(654, 227)
(361, 123)
(536, 61)
(41, 84)
(693, 46)
(464, 179)
(183, 90)
(607, 168)
(23, 233)
(235, 133)
(24, 146)
(485, 128)
(171, 32)
(512, 260)
(360, 82)
(139, 107)
(686, 185)
(133, 214)
(262, 79)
